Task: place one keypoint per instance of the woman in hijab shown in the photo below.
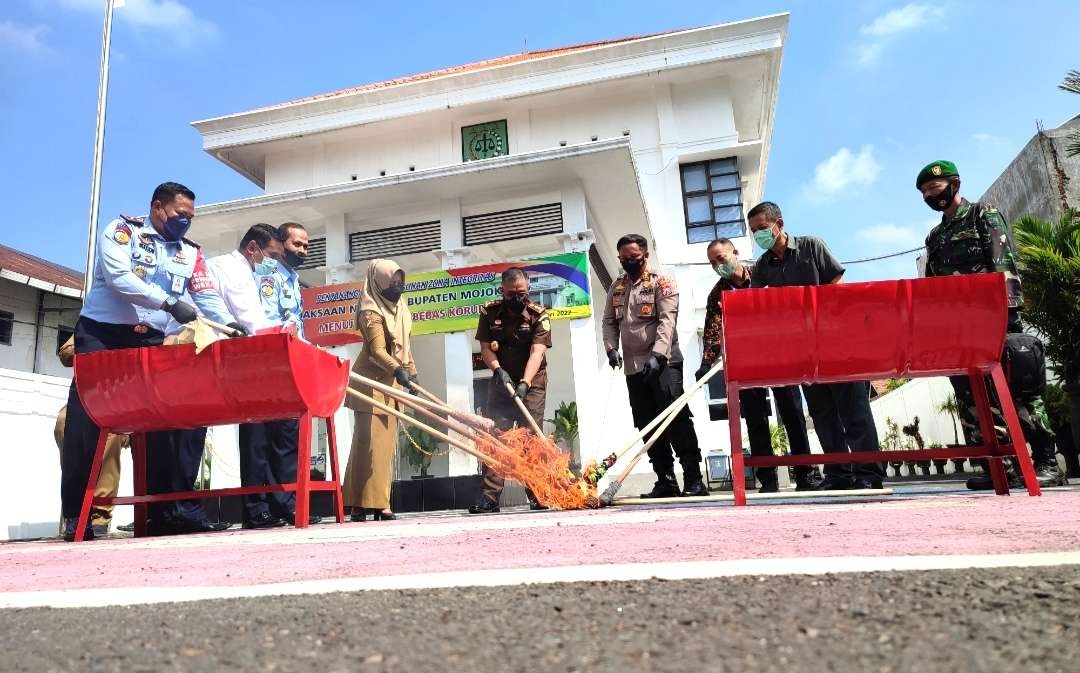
(385, 324)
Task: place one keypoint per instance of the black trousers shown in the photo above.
(80, 431)
(648, 397)
(173, 458)
(843, 421)
(755, 410)
(268, 456)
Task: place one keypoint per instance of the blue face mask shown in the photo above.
(765, 238)
(266, 266)
(175, 227)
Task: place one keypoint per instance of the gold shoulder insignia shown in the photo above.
(133, 220)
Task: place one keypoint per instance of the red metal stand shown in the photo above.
(905, 328)
(246, 380)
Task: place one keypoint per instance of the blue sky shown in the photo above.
(870, 92)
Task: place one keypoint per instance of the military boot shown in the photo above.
(766, 476)
(694, 487)
(807, 478)
(1049, 475)
(983, 482)
(666, 486)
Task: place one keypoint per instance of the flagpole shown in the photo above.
(99, 147)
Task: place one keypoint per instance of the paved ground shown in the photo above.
(777, 586)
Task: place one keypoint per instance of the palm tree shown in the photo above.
(1049, 262)
(951, 407)
(1072, 85)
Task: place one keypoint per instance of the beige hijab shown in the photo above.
(398, 319)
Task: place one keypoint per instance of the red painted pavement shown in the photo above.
(967, 525)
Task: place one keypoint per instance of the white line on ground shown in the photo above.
(85, 598)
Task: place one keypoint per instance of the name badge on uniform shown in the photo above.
(178, 283)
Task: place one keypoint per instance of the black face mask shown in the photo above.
(393, 293)
(515, 303)
(632, 266)
(943, 200)
(294, 259)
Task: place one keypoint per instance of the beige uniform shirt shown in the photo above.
(642, 315)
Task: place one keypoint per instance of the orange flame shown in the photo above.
(538, 464)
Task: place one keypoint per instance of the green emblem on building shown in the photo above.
(483, 141)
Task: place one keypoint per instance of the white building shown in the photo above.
(638, 135)
(39, 304)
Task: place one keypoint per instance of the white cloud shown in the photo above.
(902, 19)
(842, 170)
(23, 38)
(867, 55)
(170, 17)
(987, 138)
(887, 26)
(892, 235)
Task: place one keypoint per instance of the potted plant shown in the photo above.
(1048, 257)
(940, 464)
(565, 430)
(951, 407)
(891, 442)
(418, 448)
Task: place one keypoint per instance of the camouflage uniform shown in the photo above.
(977, 240)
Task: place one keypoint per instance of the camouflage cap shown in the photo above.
(935, 170)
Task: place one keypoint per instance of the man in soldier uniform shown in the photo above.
(724, 259)
(142, 272)
(641, 312)
(974, 238)
(514, 335)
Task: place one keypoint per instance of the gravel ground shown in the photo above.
(988, 620)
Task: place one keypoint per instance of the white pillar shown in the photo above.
(337, 241)
(225, 461)
(457, 360)
(589, 382)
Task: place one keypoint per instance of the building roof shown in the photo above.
(467, 67)
(22, 267)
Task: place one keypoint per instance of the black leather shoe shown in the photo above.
(766, 476)
(358, 514)
(485, 506)
(770, 486)
(695, 488)
(291, 519)
(1050, 475)
(665, 487)
(809, 481)
(864, 484)
(186, 526)
(127, 527)
(69, 530)
(983, 482)
(263, 520)
(836, 483)
(380, 515)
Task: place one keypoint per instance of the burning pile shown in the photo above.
(537, 463)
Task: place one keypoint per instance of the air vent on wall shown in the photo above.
(395, 241)
(316, 254)
(507, 225)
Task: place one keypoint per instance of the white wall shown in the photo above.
(22, 300)
(30, 482)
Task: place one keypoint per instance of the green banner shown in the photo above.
(450, 301)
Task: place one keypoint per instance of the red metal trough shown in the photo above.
(858, 331)
(244, 380)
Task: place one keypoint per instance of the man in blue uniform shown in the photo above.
(268, 450)
(142, 269)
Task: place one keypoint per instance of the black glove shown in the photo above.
(653, 365)
(522, 390)
(702, 371)
(182, 311)
(401, 375)
(614, 358)
(239, 328)
(413, 380)
(503, 378)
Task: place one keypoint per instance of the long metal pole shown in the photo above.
(99, 147)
